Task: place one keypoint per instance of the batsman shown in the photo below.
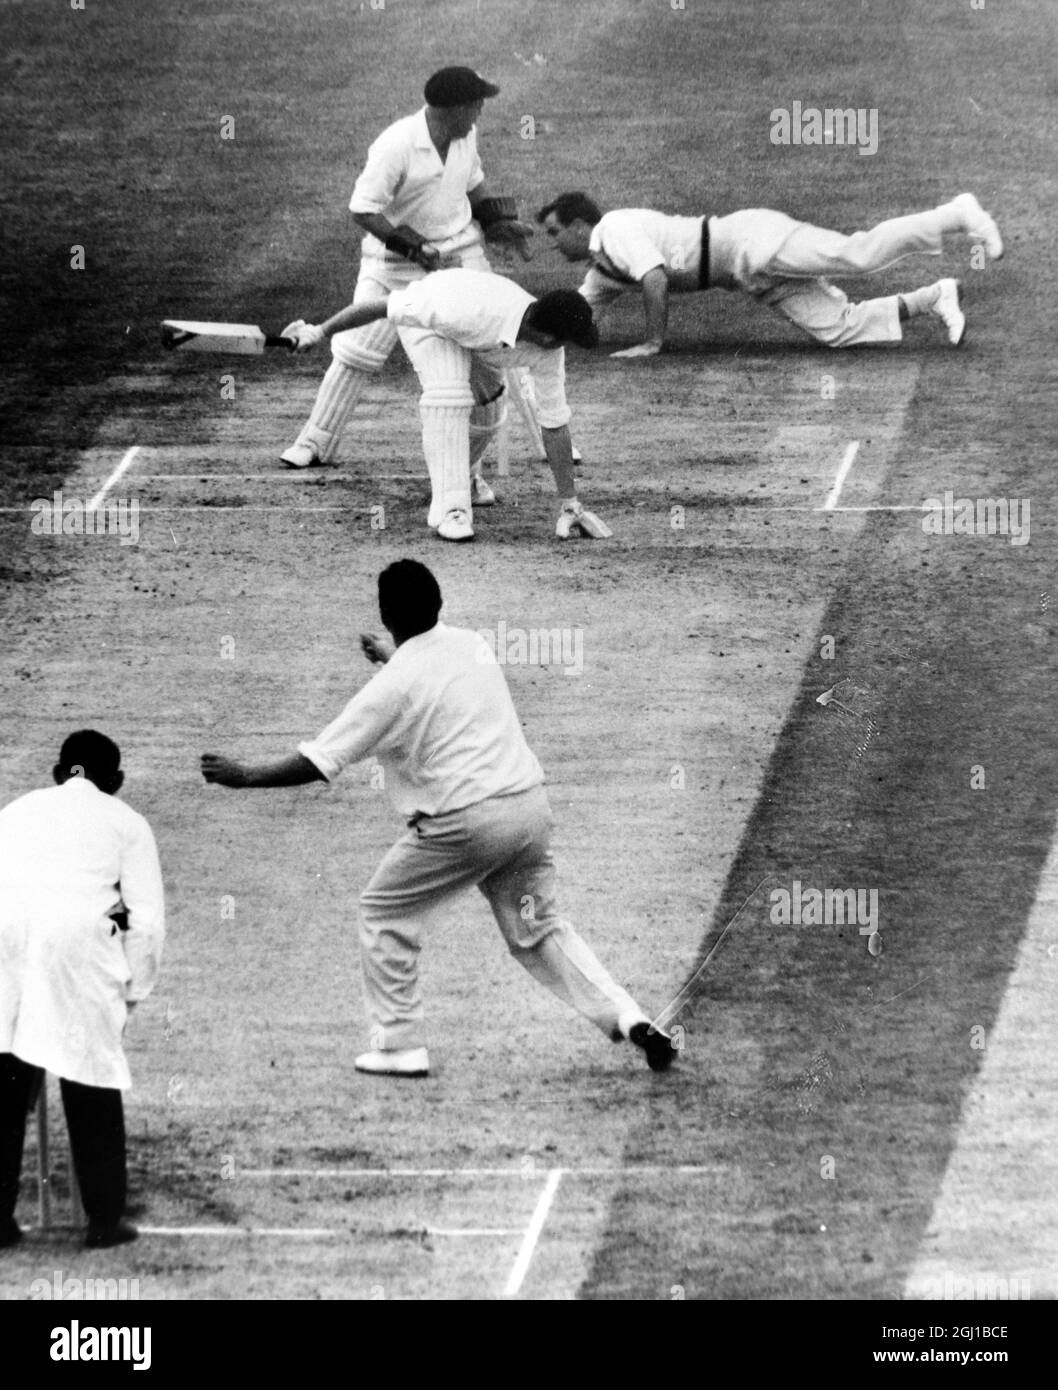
(423, 204)
(465, 331)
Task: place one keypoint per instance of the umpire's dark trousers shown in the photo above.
(95, 1118)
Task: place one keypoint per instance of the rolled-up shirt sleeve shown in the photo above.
(143, 894)
(630, 249)
(364, 727)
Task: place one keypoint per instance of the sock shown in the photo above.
(920, 301)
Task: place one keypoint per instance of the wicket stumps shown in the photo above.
(520, 392)
(44, 1168)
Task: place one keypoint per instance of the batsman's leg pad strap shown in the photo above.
(447, 395)
(489, 417)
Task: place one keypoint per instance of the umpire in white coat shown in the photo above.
(82, 922)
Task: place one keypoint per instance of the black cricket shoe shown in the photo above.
(102, 1237)
(657, 1045)
(10, 1233)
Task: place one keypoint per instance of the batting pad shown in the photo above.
(339, 391)
(365, 349)
(446, 445)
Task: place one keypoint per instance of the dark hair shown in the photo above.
(572, 207)
(566, 315)
(409, 597)
(92, 755)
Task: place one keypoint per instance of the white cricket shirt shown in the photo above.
(633, 241)
(406, 181)
(68, 856)
(482, 312)
(440, 720)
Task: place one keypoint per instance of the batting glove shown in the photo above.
(305, 335)
(575, 519)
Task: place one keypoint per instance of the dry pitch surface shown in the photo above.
(691, 767)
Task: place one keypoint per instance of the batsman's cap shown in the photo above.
(457, 87)
(567, 315)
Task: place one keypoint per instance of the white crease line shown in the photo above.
(532, 1234)
(313, 1233)
(118, 472)
(470, 1231)
(312, 480)
(907, 507)
(290, 1232)
(843, 473)
(613, 1170)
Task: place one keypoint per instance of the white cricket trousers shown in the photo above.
(501, 846)
(787, 265)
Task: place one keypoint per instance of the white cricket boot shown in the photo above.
(300, 456)
(948, 308)
(456, 525)
(978, 225)
(409, 1061)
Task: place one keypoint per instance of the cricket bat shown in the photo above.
(242, 339)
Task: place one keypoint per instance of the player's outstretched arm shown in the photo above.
(307, 335)
(656, 307)
(574, 516)
(292, 771)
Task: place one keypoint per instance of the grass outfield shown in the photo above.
(703, 645)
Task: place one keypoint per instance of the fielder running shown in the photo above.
(779, 262)
(423, 203)
(463, 330)
(440, 719)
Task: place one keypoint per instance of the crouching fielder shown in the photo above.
(440, 720)
(778, 261)
(463, 329)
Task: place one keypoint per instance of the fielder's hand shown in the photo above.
(306, 335)
(640, 350)
(224, 771)
(576, 520)
(376, 649)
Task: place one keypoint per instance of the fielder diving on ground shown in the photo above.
(784, 264)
